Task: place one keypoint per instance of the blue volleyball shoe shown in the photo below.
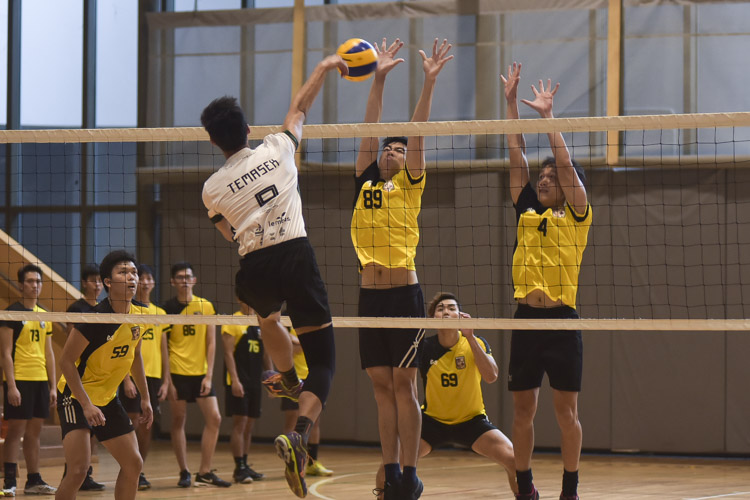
(290, 449)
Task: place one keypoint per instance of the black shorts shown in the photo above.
(117, 423)
(287, 272)
(439, 434)
(559, 353)
(248, 405)
(287, 404)
(189, 387)
(34, 400)
(397, 347)
(133, 405)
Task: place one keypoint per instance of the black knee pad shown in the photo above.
(320, 354)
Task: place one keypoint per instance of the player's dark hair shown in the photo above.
(28, 268)
(181, 266)
(437, 299)
(111, 260)
(550, 162)
(89, 270)
(145, 269)
(225, 123)
(389, 140)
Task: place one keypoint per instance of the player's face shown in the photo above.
(31, 286)
(92, 286)
(447, 308)
(392, 159)
(548, 188)
(146, 283)
(184, 281)
(124, 281)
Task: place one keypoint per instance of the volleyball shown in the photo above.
(361, 58)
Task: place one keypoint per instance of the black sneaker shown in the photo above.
(143, 483)
(89, 484)
(571, 497)
(210, 479)
(534, 495)
(257, 476)
(413, 491)
(389, 491)
(242, 476)
(184, 481)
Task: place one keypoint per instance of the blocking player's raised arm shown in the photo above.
(519, 165)
(368, 148)
(304, 98)
(415, 159)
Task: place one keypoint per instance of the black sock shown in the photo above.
(525, 481)
(410, 474)
(392, 473)
(10, 474)
(244, 460)
(238, 462)
(290, 378)
(312, 450)
(303, 427)
(570, 483)
(34, 478)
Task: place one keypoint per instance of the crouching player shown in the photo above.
(94, 361)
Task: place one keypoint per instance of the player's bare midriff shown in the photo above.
(537, 298)
(381, 277)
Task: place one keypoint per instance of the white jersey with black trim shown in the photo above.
(257, 192)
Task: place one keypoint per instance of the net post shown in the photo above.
(614, 76)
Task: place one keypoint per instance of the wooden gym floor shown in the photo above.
(447, 474)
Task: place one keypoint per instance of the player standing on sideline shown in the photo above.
(453, 364)
(95, 359)
(155, 364)
(192, 350)
(244, 361)
(291, 412)
(553, 226)
(254, 200)
(385, 233)
(29, 391)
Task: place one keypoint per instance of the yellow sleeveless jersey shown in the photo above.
(29, 341)
(151, 343)
(248, 352)
(550, 245)
(187, 343)
(300, 363)
(452, 382)
(108, 357)
(384, 225)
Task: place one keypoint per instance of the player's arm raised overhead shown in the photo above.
(304, 98)
(485, 362)
(575, 193)
(519, 166)
(368, 148)
(415, 161)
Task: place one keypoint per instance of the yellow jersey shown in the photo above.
(29, 342)
(384, 226)
(549, 248)
(108, 357)
(452, 382)
(151, 343)
(187, 343)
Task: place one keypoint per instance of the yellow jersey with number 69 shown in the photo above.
(384, 224)
(549, 248)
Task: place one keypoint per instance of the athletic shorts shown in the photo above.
(189, 387)
(247, 406)
(287, 272)
(396, 347)
(439, 434)
(34, 400)
(117, 423)
(133, 405)
(559, 353)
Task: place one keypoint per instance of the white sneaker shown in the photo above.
(39, 489)
(8, 492)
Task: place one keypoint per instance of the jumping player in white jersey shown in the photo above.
(254, 200)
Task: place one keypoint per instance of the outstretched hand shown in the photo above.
(434, 64)
(511, 83)
(468, 333)
(386, 54)
(543, 98)
(335, 61)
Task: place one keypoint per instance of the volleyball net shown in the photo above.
(667, 249)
